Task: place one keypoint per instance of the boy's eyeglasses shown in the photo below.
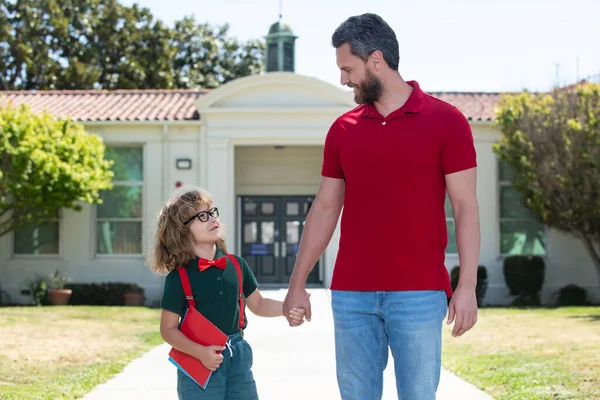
(204, 215)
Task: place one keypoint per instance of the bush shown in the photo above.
(47, 163)
(526, 300)
(98, 294)
(134, 288)
(57, 281)
(524, 276)
(572, 295)
(482, 282)
(4, 297)
(39, 290)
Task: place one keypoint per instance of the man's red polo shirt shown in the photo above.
(393, 228)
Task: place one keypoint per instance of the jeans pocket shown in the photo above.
(247, 355)
(444, 304)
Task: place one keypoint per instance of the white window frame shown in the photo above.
(504, 184)
(121, 183)
(56, 255)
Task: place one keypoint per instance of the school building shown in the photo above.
(256, 143)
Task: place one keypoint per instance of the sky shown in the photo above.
(446, 45)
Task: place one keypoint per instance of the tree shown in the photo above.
(26, 45)
(552, 143)
(93, 44)
(84, 44)
(208, 57)
(46, 164)
(111, 46)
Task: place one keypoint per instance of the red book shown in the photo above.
(200, 330)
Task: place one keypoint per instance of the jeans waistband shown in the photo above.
(235, 338)
(232, 340)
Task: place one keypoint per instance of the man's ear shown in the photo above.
(377, 60)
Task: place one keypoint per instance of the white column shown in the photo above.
(202, 156)
(220, 174)
(155, 190)
(166, 165)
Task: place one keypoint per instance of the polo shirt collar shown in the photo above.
(413, 105)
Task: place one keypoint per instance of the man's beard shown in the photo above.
(369, 91)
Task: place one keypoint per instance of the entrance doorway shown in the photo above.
(271, 227)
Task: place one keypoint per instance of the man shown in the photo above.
(389, 163)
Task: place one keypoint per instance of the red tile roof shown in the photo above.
(178, 104)
(475, 106)
(114, 105)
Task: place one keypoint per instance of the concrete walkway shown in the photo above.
(310, 376)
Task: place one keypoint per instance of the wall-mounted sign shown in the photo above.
(259, 249)
(183, 163)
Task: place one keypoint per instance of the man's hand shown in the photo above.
(296, 297)
(463, 309)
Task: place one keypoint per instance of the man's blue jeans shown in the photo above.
(409, 322)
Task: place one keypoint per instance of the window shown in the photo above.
(451, 248)
(521, 233)
(37, 239)
(119, 217)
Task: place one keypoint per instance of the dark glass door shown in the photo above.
(271, 228)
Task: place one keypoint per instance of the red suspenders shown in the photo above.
(187, 289)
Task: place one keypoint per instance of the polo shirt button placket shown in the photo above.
(383, 123)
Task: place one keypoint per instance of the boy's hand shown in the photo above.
(209, 356)
(297, 298)
(297, 315)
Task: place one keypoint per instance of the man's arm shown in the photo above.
(462, 192)
(320, 224)
(318, 230)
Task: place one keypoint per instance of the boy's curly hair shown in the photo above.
(173, 243)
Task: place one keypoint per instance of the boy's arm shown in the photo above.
(272, 308)
(169, 322)
(259, 305)
(264, 307)
(256, 303)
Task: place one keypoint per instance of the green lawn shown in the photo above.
(530, 354)
(64, 352)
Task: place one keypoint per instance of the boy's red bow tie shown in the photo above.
(219, 263)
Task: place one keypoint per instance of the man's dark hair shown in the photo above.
(366, 33)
